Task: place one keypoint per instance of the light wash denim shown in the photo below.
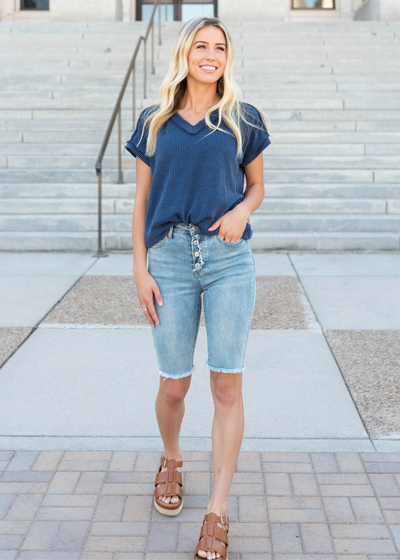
(185, 264)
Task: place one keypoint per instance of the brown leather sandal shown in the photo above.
(211, 535)
(170, 482)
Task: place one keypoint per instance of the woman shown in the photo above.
(191, 220)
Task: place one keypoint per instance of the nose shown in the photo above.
(210, 54)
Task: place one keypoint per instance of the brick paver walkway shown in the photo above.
(282, 506)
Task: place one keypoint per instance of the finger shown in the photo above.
(144, 306)
(147, 315)
(150, 307)
(157, 295)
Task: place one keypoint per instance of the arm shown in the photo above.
(255, 190)
(143, 186)
(233, 223)
(146, 286)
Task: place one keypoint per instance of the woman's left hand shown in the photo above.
(232, 224)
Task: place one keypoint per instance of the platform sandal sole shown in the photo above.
(169, 512)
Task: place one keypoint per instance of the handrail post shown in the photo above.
(120, 176)
(144, 68)
(100, 252)
(159, 23)
(153, 71)
(133, 97)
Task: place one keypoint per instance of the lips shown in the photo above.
(208, 68)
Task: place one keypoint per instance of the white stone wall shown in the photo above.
(254, 10)
(390, 10)
(244, 10)
(273, 10)
(78, 10)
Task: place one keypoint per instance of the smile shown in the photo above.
(209, 69)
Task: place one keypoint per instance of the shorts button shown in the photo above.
(197, 265)
(196, 254)
(194, 227)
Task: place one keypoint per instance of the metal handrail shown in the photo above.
(117, 108)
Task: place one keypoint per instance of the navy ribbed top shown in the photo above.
(196, 178)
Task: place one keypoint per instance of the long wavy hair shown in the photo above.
(230, 106)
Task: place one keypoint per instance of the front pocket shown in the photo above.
(160, 243)
(231, 243)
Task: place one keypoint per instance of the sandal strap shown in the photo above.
(211, 545)
(170, 463)
(213, 530)
(214, 518)
(168, 490)
(168, 476)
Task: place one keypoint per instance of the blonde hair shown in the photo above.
(230, 106)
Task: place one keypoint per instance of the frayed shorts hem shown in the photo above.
(224, 370)
(179, 376)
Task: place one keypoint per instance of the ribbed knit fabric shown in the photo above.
(196, 178)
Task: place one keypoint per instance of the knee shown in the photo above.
(225, 391)
(173, 392)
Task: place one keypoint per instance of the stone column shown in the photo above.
(6, 10)
(345, 8)
(128, 11)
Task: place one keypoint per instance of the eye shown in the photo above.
(220, 48)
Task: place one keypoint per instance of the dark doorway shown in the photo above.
(35, 4)
(313, 4)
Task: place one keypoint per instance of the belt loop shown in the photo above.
(170, 232)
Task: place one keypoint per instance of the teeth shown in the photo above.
(208, 67)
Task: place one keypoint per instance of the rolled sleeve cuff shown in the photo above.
(134, 150)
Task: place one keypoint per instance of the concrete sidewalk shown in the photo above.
(80, 371)
(318, 476)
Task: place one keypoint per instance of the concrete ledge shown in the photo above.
(186, 443)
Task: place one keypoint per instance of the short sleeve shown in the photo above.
(135, 146)
(256, 139)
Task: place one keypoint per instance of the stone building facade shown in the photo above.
(132, 10)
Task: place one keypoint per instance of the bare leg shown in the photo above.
(227, 435)
(170, 409)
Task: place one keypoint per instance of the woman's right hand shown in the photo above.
(146, 286)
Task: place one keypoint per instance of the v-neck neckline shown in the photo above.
(191, 128)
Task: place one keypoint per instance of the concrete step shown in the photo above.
(276, 205)
(354, 101)
(260, 241)
(326, 223)
(70, 85)
(271, 161)
(273, 190)
(260, 222)
(278, 149)
(314, 133)
(66, 190)
(68, 175)
(372, 117)
(342, 191)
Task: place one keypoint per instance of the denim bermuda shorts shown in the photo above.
(186, 264)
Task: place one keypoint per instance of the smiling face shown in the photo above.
(207, 55)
